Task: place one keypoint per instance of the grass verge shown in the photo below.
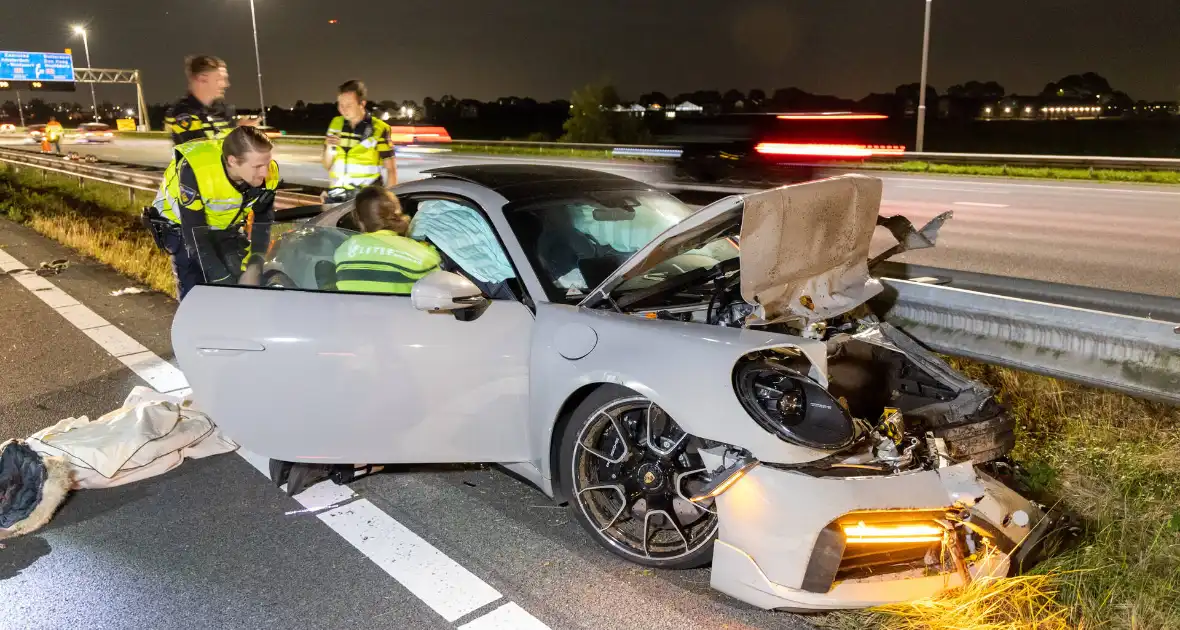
(1089, 174)
(1112, 460)
(98, 220)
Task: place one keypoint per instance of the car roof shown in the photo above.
(517, 182)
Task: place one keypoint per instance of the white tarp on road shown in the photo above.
(149, 435)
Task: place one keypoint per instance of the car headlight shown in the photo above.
(792, 406)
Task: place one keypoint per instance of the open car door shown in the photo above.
(298, 371)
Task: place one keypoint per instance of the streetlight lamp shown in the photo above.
(78, 30)
(922, 87)
(258, 63)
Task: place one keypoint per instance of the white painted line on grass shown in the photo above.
(507, 617)
(441, 583)
(979, 204)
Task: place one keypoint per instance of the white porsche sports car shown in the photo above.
(699, 385)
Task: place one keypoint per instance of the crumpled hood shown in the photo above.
(805, 248)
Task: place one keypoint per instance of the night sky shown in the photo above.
(411, 49)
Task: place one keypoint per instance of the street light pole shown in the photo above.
(20, 109)
(86, 46)
(922, 86)
(258, 63)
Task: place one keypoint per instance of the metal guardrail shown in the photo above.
(1091, 298)
(1136, 356)
(123, 175)
(1010, 159)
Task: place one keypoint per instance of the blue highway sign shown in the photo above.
(32, 66)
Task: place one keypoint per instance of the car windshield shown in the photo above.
(575, 242)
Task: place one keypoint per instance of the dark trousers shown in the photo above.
(186, 269)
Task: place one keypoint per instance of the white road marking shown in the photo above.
(507, 617)
(446, 587)
(981, 205)
(81, 317)
(950, 189)
(441, 583)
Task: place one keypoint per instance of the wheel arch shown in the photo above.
(557, 429)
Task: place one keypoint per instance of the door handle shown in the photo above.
(227, 346)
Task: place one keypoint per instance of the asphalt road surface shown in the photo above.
(1112, 236)
(213, 544)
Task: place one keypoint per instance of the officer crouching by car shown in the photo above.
(382, 259)
(213, 212)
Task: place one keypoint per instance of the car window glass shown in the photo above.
(315, 258)
(574, 243)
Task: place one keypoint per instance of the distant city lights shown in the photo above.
(1072, 110)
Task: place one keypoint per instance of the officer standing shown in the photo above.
(53, 132)
(356, 146)
(217, 204)
(382, 259)
(202, 114)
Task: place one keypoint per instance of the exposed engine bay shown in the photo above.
(889, 405)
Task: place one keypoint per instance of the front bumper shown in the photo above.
(780, 545)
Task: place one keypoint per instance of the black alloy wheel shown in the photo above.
(629, 471)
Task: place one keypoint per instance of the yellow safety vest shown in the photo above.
(383, 262)
(358, 160)
(220, 200)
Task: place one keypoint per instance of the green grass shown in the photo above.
(538, 151)
(1102, 175)
(98, 220)
(1111, 460)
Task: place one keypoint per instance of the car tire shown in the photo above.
(584, 414)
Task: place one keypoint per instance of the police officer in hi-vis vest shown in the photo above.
(356, 147)
(382, 259)
(215, 207)
(202, 114)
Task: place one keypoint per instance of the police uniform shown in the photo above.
(383, 262)
(216, 223)
(359, 155)
(189, 119)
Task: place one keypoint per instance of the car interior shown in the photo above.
(466, 242)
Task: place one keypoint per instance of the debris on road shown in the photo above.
(32, 487)
(127, 291)
(149, 435)
(53, 268)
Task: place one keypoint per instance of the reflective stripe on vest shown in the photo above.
(358, 161)
(221, 200)
(347, 175)
(383, 262)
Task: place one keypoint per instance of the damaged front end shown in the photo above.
(903, 499)
(907, 504)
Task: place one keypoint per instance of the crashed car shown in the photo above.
(699, 385)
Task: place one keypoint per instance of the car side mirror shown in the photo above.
(441, 291)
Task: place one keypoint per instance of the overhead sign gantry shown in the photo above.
(55, 72)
